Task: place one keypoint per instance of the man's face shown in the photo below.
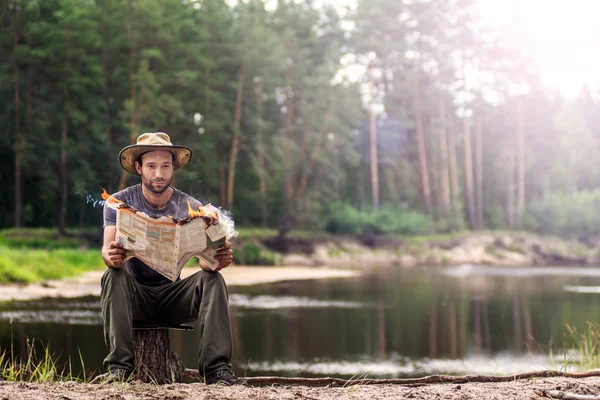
(156, 170)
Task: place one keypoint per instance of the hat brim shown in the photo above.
(130, 154)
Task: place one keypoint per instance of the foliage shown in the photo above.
(39, 238)
(252, 254)
(574, 215)
(273, 102)
(400, 220)
(26, 265)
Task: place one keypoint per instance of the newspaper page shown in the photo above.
(194, 236)
(166, 245)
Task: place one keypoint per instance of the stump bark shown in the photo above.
(154, 360)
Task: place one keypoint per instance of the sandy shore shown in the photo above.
(88, 284)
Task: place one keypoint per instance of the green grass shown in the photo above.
(45, 238)
(580, 349)
(38, 369)
(35, 265)
(587, 345)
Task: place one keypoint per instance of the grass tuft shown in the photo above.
(36, 368)
(580, 349)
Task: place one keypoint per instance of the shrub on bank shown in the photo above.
(574, 215)
(251, 254)
(400, 220)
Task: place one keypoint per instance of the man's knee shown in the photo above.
(209, 279)
(113, 278)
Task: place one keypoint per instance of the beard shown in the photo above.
(150, 185)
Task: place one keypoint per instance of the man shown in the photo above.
(132, 291)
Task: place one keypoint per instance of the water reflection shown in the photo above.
(268, 302)
(397, 366)
(387, 323)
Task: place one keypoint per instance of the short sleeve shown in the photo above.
(110, 216)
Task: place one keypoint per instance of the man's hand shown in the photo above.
(224, 255)
(114, 255)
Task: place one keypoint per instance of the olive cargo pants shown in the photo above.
(202, 296)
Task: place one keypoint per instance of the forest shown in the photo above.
(390, 116)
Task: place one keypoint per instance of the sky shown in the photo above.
(563, 37)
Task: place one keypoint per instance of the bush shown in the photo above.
(574, 215)
(251, 254)
(346, 220)
(400, 220)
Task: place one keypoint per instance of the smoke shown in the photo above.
(225, 218)
(95, 201)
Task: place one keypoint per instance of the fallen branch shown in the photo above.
(559, 394)
(275, 380)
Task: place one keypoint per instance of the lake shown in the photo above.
(388, 323)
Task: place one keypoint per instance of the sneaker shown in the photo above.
(224, 377)
(117, 375)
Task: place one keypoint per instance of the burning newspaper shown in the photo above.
(166, 244)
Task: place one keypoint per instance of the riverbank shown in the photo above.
(519, 389)
(21, 259)
(476, 248)
(88, 283)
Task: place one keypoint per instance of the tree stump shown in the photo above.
(154, 360)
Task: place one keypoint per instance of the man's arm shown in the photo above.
(113, 252)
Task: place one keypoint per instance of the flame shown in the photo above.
(110, 199)
(201, 212)
(193, 213)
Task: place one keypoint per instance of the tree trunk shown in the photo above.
(520, 163)
(260, 150)
(423, 168)
(235, 140)
(107, 133)
(133, 124)
(18, 217)
(285, 224)
(154, 360)
(510, 198)
(469, 173)
(287, 184)
(433, 166)
(63, 171)
(373, 146)
(445, 178)
(455, 198)
(222, 173)
(479, 170)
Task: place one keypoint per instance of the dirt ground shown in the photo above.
(521, 389)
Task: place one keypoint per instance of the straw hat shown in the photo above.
(153, 142)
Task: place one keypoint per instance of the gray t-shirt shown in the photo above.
(176, 207)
